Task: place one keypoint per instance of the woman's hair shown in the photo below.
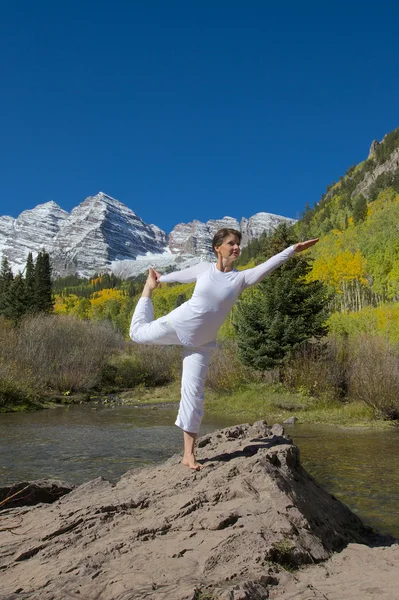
(222, 234)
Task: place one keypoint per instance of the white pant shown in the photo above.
(144, 330)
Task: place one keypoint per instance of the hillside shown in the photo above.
(358, 223)
(357, 220)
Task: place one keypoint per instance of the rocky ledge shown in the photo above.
(253, 524)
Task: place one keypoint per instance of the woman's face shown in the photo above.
(230, 247)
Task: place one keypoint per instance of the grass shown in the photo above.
(260, 401)
(251, 402)
(165, 394)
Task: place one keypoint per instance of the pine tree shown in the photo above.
(30, 284)
(359, 209)
(43, 295)
(6, 279)
(281, 312)
(14, 306)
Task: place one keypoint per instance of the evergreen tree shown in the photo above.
(30, 284)
(43, 295)
(281, 312)
(6, 279)
(14, 306)
(359, 209)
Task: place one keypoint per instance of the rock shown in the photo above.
(373, 148)
(238, 527)
(390, 165)
(277, 430)
(31, 493)
(290, 421)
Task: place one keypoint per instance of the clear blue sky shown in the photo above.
(191, 110)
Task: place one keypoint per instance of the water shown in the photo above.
(78, 443)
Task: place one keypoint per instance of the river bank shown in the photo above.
(250, 402)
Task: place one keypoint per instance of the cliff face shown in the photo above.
(389, 166)
(230, 531)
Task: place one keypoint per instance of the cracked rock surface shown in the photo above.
(253, 524)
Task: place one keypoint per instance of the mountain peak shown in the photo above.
(101, 233)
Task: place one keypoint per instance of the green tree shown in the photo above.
(6, 279)
(282, 312)
(30, 284)
(359, 209)
(14, 306)
(83, 308)
(43, 291)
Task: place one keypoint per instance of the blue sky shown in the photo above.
(191, 110)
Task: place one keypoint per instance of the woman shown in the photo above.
(195, 323)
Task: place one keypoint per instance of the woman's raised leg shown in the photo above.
(143, 328)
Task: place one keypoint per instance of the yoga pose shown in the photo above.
(195, 323)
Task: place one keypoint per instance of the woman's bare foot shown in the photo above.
(190, 461)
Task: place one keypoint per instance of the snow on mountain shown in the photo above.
(32, 231)
(196, 237)
(6, 229)
(254, 226)
(99, 231)
(103, 234)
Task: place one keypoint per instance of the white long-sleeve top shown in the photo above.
(198, 320)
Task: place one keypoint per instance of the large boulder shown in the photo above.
(234, 530)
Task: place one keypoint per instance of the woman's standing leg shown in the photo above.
(191, 409)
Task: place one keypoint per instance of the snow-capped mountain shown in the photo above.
(103, 234)
(31, 231)
(101, 230)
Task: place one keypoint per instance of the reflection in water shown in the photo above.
(78, 443)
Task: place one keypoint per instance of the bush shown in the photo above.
(141, 364)
(58, 353)
(374, 375)
(14, 394)
(318, 369)
(226, 372)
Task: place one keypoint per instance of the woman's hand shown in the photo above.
(301, 246)
(157, 275)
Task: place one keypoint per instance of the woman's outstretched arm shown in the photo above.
(186, 275)
(255, 275)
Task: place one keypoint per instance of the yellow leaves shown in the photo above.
(88, 307)
(96, 281)
(380, 320)
(334, 269)
(106, 294)
(65, 304)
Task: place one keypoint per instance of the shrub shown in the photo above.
(374, 375)
(226, 372)
(318, 369)
(150, 365)
(64, 353)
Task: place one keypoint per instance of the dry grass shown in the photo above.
(226, 372)
(374, 375)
